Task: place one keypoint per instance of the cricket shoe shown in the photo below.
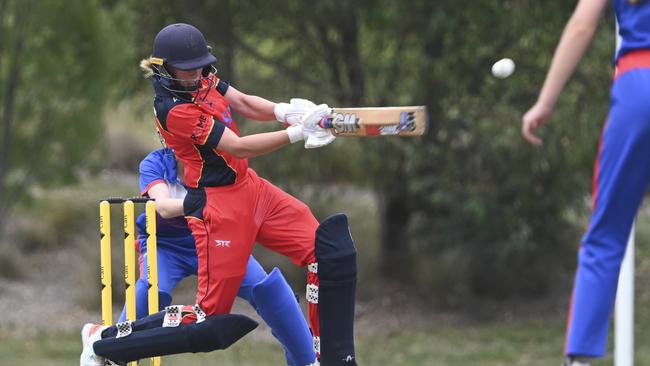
(90, 333)
(576, 362)
(111, 363)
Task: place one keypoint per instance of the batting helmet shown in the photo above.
(182, 46)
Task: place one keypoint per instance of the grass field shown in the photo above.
(514, 342)
(491, 344)
(519, 343)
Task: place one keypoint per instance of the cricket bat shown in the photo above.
(377, 121)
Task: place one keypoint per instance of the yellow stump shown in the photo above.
(152, 263)
(105, 262)
(129, 261)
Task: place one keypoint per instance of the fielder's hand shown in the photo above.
(533, 120)
(316, 136)
(291, 113)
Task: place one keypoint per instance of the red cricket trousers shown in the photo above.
(236, 216)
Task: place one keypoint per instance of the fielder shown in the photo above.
(229, 208)
(622, 166)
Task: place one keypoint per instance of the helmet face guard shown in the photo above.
(176, 85)
(182, 47)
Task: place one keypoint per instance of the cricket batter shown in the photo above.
(622, 169)
(228, 208)
(177, 259)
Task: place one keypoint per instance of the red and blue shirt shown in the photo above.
(633, 25)
(192, 124)
(159, 167)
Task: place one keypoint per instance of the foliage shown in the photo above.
(468, 211)
(57, 63)
(486, 207)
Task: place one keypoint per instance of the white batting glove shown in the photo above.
(295, 133)
(291, 113)
(316, 136)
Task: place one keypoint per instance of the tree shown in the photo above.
(469, 204)
(56, 64)
(489, 211)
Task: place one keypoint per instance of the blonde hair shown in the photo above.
(149, 66)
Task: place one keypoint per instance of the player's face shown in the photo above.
(188, 78)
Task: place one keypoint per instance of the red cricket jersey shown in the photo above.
(192, 124)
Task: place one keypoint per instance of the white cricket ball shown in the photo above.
(503, 68)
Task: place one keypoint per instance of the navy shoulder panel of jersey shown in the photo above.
(165, 100)
(222, 87)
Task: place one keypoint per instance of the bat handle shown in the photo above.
(326, 122)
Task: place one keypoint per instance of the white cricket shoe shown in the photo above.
(574, 362)
(90, 333)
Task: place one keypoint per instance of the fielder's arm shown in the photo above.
(166, 206)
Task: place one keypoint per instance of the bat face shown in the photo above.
(378, 121)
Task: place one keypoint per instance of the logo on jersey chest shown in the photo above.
(200, 129)
(217, 106)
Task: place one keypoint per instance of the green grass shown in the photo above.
(489, 345)
(40, 349)
(532, 343)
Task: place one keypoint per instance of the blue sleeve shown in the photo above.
(152, 170)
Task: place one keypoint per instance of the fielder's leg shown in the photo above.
(332, 293)
(270, 301)
(620, 180)
(173, 266)
(142, 297)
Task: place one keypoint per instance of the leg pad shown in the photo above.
(149, 339)
(336, 256)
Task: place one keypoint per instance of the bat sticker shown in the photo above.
(344, 122)
(406, 124)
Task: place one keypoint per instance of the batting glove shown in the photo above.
(291, 113)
